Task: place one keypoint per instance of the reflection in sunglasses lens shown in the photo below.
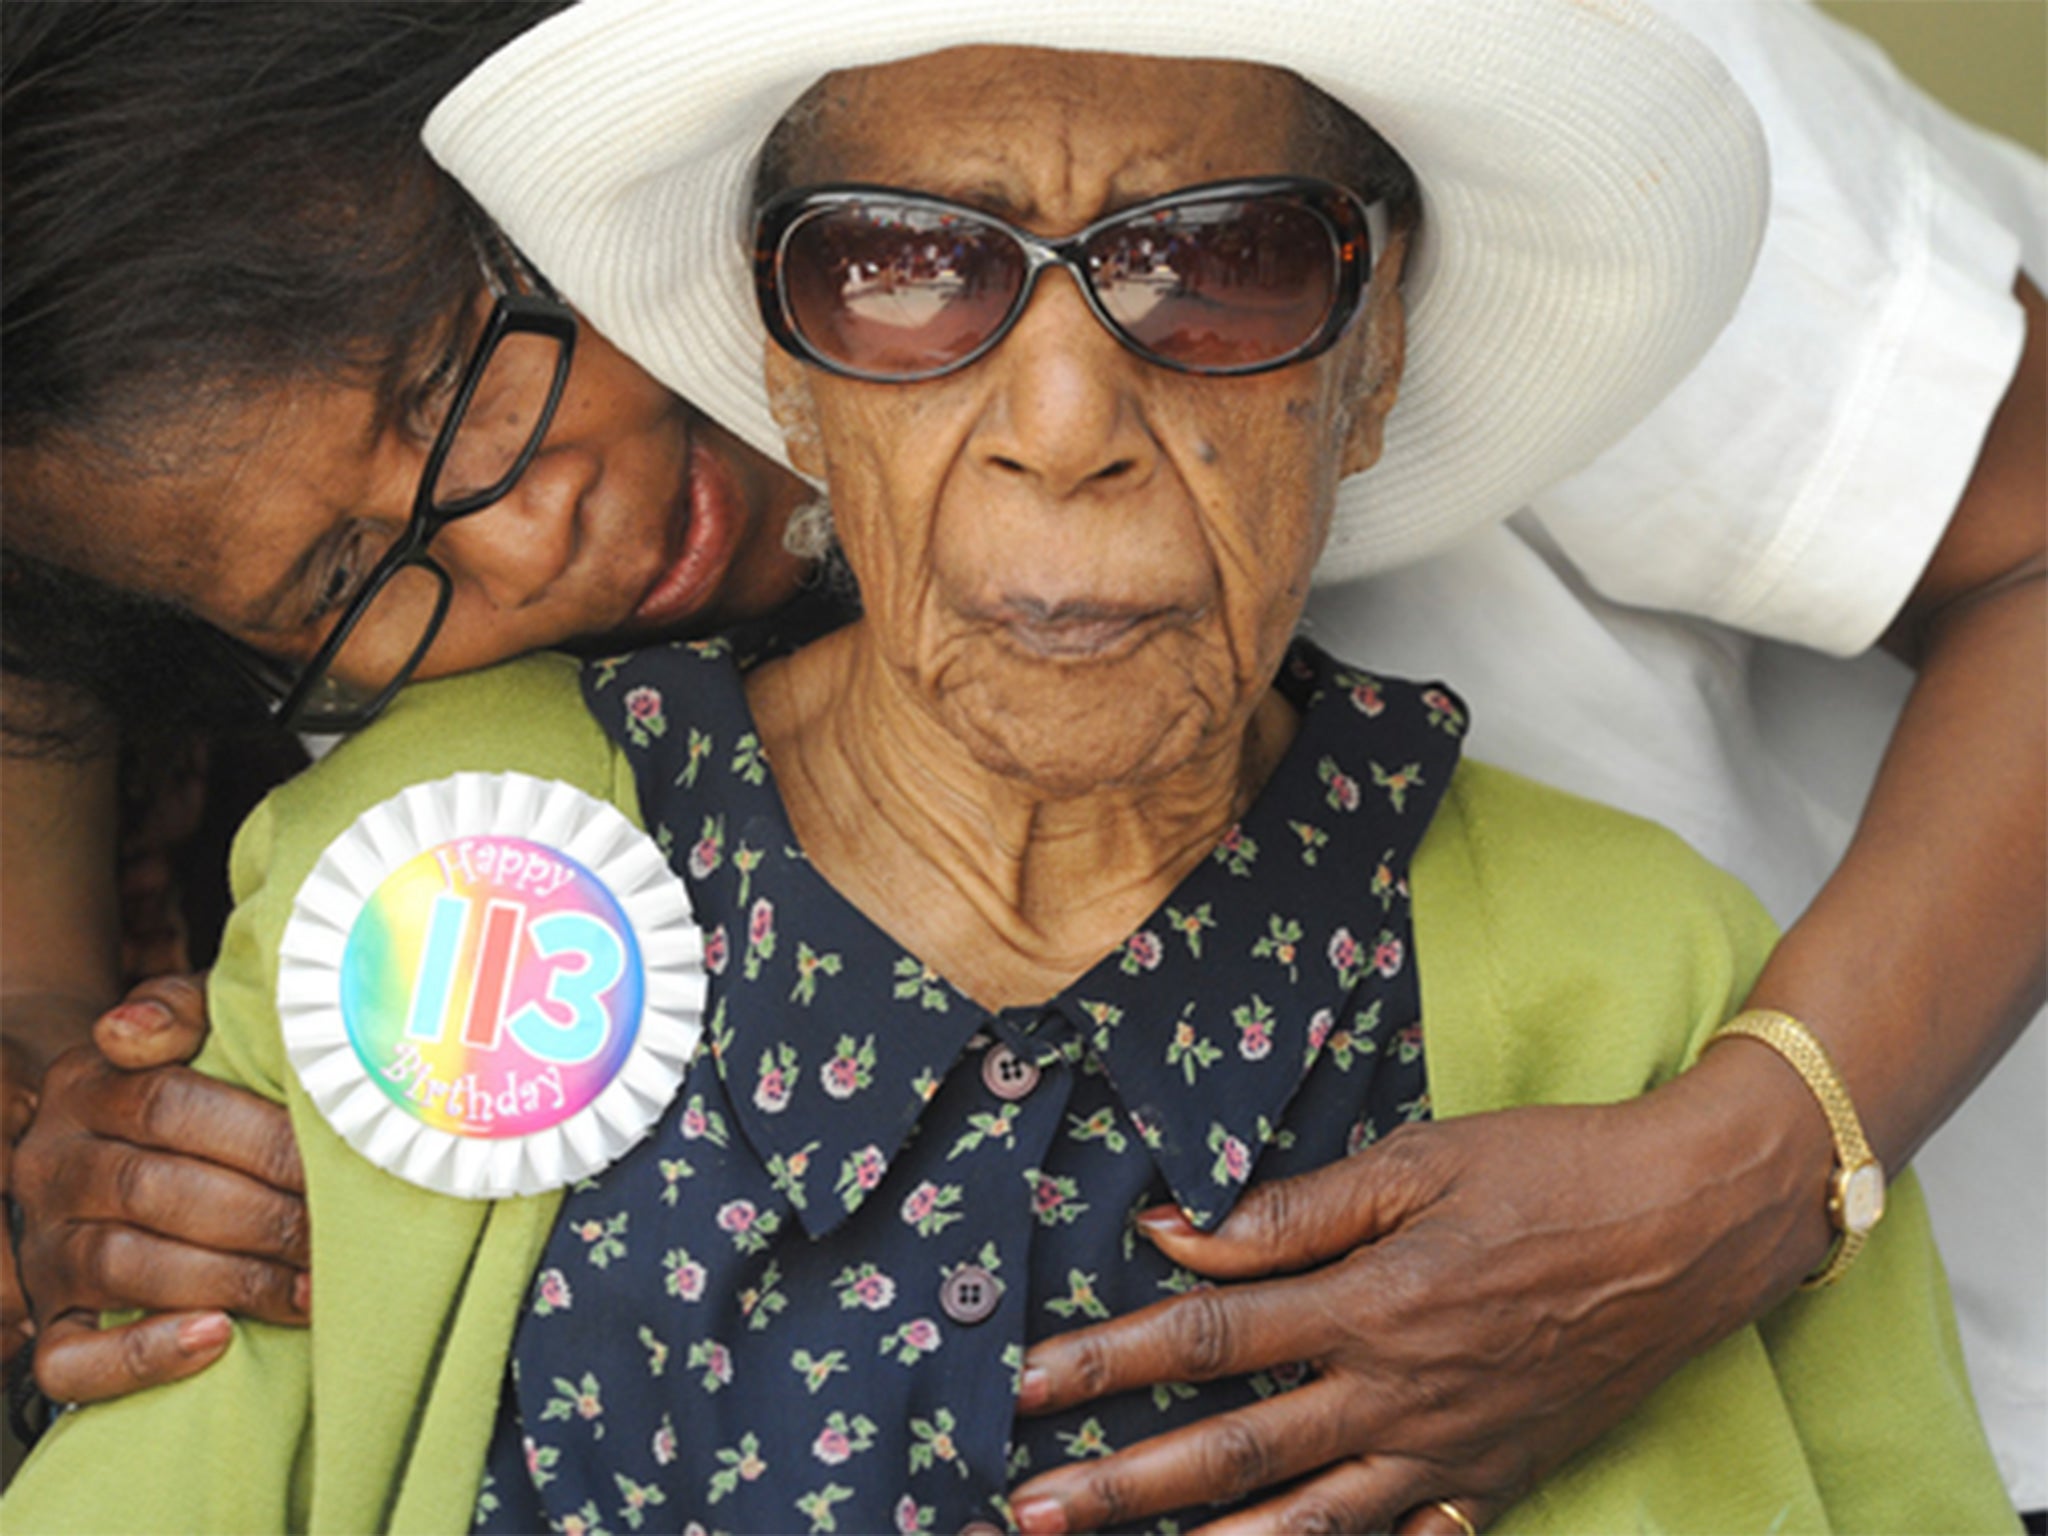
(898, 288)
(897, 291)
(1218, 285)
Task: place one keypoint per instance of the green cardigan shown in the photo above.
(1569, 954)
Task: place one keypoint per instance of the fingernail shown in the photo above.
(1034, 1390)
(1165, 1221)
(1040, 1517)
(142, 1018)
(302, 1293)
(207, 1332)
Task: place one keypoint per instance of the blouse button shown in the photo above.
(1006, 1074)
(969, 1294)
(982, 1528)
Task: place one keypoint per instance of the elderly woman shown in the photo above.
(1038, 913)
(238, 299)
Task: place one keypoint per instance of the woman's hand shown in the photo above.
(145, 1184)
(1496, 1292)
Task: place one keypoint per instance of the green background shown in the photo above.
(1986, 59)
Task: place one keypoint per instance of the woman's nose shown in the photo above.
(1064, 412)
(514, 549)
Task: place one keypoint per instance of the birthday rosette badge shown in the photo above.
(491, 985)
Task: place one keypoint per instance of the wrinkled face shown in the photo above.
(1084, 566)
(638, 518)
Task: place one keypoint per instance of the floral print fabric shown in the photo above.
(803, 1303)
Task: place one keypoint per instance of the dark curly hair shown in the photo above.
(200, 199)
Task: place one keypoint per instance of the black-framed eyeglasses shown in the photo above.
(1224, 279)
(498, 416)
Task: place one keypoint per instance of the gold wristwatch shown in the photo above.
(1856, 1188)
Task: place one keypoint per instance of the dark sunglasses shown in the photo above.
(1233, 277)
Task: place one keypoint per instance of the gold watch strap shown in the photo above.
(1855, 1164)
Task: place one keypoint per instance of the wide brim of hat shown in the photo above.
(1594, 190)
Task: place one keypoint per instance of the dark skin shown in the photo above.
(129, 1151)
(1482, 1297)
(637, 518)
(71, 934)
(1500, 1290)
(58, 817)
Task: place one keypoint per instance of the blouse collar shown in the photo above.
(831, 1038)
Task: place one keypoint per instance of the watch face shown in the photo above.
(1862, 1197)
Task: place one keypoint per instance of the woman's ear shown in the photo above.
(789, 400)
(1385, 347)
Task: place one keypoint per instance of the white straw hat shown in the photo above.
(1594, 188)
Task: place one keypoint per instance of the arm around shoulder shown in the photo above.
(236, 1448)
(1570, 953)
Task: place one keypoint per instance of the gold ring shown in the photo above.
(1458, 1515)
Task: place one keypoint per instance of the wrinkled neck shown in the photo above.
(1007, 890)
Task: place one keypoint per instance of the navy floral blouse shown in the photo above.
(803, 1302)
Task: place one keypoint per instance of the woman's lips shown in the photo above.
(1073, 631)
(714, 513)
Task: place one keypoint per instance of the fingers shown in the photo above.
(182, 1111)
(98, 1266)
(1232, 1456)
(130, 1182)
(1448, 1517)
(161, 1022)
(1211, 1332)
(1290, 1224)
(196, 1201)
(77, 1362)
(1364, 1494)
(1219, 1459)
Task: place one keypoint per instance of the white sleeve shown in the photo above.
(1797, 482)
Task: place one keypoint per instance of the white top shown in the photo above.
(1795, 485)
(1617, 639)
